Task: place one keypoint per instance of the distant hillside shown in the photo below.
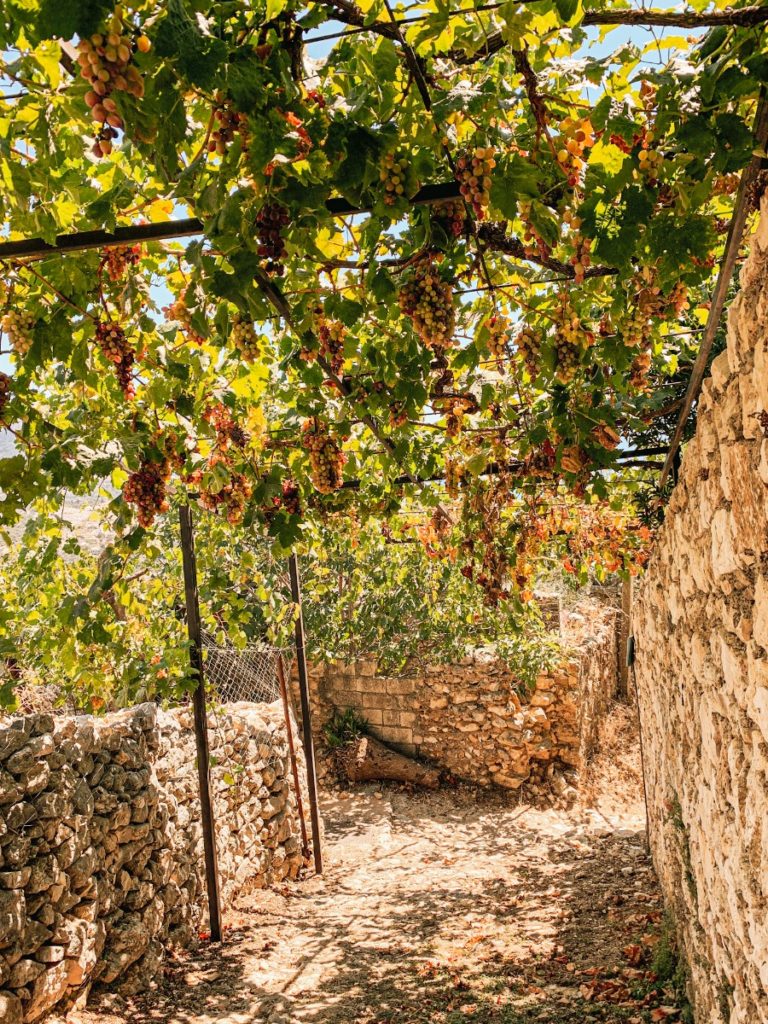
(79, 512)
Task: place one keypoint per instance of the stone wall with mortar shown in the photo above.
(471, 719)
(101, 860)
(701, 628)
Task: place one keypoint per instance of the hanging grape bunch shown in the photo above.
(535, 244)
(473, 173)
(5, 391)
(428, 301)
(498, 338)
(19, 324)
(228, 122)
(454, 474)
(291, 499)
(117, 259)
(105, 63)
(232, 498)
(179, 312)
(581, 258)
(228, 431)
(325, 457)
(118, 350)
(270, 221)
(147, 487)
(570, 341)
(392, 174)
(330, 334)
(451, 215)
(578, 135)
(529, 350)
(245, 339)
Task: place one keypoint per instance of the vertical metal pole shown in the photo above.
(306, 714)
(624, 631)
(201, 721)
(294, 765)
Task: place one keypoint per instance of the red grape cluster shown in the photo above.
(228, 432)
(330, 334)
(178, 311)
(245, 339)
(105, 63)
(5, 391)
(638, 373)
(289, 501)
(118, 350)
(451, 215)
(325, 456)
(233, 497)
(19, 324)
(147, 489)
(270, 221)
(228, 122)
(117, 258)
(428, 301)
(473, 172)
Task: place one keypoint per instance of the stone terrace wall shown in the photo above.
(470, 719)
(701, 628)
(101, 858)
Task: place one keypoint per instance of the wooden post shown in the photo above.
(201, 721)
(624, 631)
(306, 713)
(287, 704)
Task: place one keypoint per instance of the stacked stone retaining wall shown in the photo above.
(701, 628)
(474, 719)
(101, 861)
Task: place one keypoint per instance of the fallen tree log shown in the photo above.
(368, 760)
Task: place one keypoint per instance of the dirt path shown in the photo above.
(435, 909)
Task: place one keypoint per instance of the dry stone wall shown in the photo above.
(101, 860)
(471, 720)
(701, 628)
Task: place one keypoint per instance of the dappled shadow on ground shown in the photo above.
(435, 909)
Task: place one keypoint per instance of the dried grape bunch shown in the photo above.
(245, 339)
(19, 324)
(270, 221)
(118, 350)
(428, 300)
(325, 456)
(147, 489)
(473, 173)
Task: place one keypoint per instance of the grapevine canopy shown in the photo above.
(489, 361)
